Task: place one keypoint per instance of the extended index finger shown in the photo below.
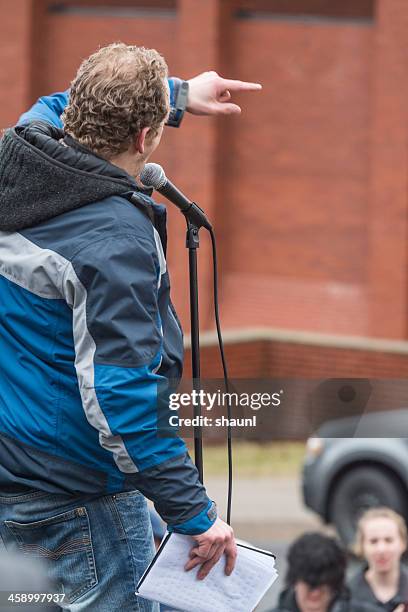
(233, 85)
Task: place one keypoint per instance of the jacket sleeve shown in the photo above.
(50, 108)
(47, 108)
(112, 287)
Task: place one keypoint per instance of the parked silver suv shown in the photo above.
(344, 473)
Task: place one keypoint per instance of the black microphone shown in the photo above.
(153, 175)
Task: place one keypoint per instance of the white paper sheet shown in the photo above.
(166, 580)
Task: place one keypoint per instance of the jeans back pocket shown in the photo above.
(63, 542)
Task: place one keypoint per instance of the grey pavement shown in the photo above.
(264, 509)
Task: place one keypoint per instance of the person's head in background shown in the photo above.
(316, 571)
(381, 540)
(118, 104)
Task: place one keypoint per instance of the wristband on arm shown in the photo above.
(178, 101)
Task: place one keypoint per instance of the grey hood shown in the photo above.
(44, 173)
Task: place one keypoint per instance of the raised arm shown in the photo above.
(205, 94)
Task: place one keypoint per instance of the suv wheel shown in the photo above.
(359, 489)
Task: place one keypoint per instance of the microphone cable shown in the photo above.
(225, 371)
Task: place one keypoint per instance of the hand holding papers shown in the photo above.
(166, 581)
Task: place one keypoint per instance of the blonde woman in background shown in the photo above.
(381, 539)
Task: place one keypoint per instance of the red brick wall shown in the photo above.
(387, 222)
(16, 19)
(307, 189)
(274, 355)
(297, 172)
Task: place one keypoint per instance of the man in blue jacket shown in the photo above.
(88, 331)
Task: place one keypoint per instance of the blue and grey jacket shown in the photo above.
(87, 329)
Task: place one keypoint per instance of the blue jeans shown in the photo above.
(94, 549)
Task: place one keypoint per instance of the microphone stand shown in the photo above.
(192, 244)
(196, 219)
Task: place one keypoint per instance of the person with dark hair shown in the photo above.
(315, 576)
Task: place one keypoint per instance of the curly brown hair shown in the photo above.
(117, 92)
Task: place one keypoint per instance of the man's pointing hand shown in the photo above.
(210, 94)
